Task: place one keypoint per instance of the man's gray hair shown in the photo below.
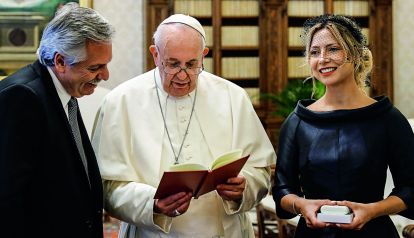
(68, 32)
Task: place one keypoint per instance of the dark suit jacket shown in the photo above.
(44, 190)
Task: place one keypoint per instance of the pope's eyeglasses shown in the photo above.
(173, 68)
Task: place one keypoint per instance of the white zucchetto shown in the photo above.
(187, 20)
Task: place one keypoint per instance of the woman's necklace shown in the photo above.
(176, 156)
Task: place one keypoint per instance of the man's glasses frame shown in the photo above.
(175, 69)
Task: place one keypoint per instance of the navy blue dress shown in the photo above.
(344, 155)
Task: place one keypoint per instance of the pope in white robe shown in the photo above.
(177, 113)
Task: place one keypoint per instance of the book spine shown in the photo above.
(200, 185)
(297, 67)
(240, 36)
(351, 8)
(231, 8)
(196, 8)
(305, 8)
(208, 64)
(294, 36)
(209, 35)
(240, 67)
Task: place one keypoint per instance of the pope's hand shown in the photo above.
(173, 205)
(233, 189)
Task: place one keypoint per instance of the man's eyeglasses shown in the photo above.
(173, 68)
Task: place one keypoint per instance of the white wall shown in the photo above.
(128, 17)
(128, 50)
(403, 41)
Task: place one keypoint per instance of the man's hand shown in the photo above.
(173, 205)
(233, 189)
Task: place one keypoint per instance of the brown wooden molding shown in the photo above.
(157, 10)
(381, 47)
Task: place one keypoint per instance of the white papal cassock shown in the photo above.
(133, 151)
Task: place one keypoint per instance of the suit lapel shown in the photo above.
(55, 103)
(93, 169)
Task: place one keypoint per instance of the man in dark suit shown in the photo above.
(50, 185)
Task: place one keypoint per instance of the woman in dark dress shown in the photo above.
(336, 150)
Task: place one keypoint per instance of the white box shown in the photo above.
(333, 218)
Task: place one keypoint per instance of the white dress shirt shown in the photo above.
(63, 95)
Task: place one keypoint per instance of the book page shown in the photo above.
(221, 174)
(226, 158)
(187, 167)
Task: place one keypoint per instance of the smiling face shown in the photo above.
(328, 60)
(181, 46)
(82, 78)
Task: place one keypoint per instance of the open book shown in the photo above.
(198, 179)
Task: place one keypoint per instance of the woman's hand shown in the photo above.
(309, 208)
(363, 213)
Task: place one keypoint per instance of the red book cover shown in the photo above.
(198, 182)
